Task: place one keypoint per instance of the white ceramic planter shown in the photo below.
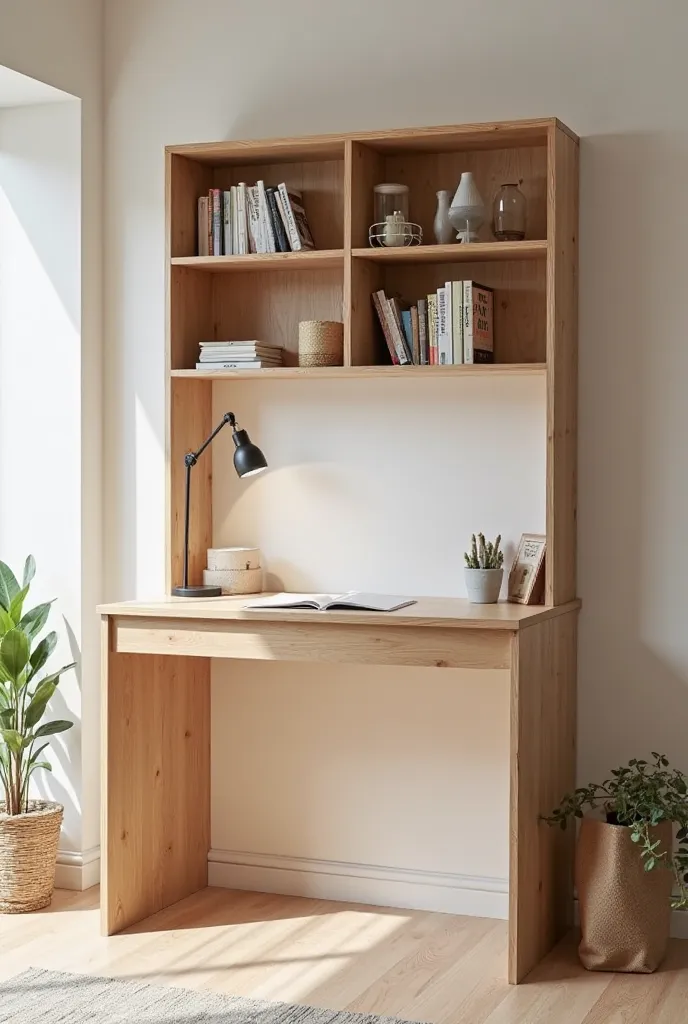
(483, 585)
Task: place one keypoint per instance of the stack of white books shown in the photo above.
(238, 355)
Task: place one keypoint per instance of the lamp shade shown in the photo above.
(248, 458)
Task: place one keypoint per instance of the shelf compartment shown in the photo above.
(309, 259)
(367, 372)
(472, 252)
(426, 171)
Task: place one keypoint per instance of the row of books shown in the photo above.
(452, 325)
(252, 218)
(237, 355)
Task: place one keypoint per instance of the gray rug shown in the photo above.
(50, 997)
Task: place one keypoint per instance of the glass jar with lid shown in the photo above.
(391, 199)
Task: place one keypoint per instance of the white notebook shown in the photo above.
(325, 602)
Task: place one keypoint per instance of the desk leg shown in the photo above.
(156, 782)
(543, 767)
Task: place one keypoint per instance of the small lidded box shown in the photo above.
(236, 570)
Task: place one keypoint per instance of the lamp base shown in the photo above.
(200, 591)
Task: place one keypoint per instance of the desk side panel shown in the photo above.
(156, 782)
(543, 768)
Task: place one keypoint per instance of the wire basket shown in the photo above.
(383, 235)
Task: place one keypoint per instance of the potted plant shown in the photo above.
(483, 571)
(29, 829)
(626, 863)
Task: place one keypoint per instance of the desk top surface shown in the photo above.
(445, 612)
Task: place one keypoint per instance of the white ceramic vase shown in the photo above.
(483, 585)
(442, 226)
(467, 211)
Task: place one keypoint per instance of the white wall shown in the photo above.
(178, 72)
(60, 44)
(40, 394)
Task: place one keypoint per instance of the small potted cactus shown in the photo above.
(484, 570)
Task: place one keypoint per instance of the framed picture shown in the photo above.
(527, 575)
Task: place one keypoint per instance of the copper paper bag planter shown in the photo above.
(624, 910)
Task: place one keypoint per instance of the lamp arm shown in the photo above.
(190, 460)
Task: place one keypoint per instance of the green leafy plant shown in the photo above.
(24, 692)
(484, 555)
(640, 795)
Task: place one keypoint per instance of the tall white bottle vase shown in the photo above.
(442, 226)
(467, 211)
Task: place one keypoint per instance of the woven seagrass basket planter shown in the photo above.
(321, 343)
(28, 852)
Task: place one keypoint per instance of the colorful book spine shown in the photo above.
(423, 331)
(457, 321)
(242, 227)
(266, 219)
(202, 248)
(227, 221)
(432, 329)
(443, 341)
(396, 315)
(255, 234)
(277, 225)
(377, 303)
(292, 230)
(415, 335)
(217, 221)
(408, 329)
(478, 326)
(235, 219)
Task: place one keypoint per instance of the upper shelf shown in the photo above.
(470, 252)
(308, 259)
(316, 259)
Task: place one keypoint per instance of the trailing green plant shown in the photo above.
(24, 692)
(484, 555)
(639, 796)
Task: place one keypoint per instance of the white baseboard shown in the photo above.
(77, 871)
(406, 888)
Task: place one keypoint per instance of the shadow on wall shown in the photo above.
(633, 460)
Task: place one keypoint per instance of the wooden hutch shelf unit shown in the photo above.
(264, 296)
(157, 655)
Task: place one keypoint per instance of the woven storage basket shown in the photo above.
(28, 852)
(321, 343)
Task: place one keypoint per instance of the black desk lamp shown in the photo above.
(248, 460)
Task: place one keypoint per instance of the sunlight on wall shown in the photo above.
(40, 395)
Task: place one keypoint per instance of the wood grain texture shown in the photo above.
(327, 147)
(189, 423)
(309, 259)
(444, 612)
(268, 307)
(562, 369)
(156, 782)
(367, 372)
(186, 180)
(356, 644)
(413, 964)
(468, 252)
(543, 768)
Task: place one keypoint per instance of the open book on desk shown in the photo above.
(324, 602)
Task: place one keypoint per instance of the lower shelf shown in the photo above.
(362, 372)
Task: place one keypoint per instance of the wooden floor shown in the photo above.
(410, 964)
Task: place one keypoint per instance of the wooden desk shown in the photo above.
(156, 734)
